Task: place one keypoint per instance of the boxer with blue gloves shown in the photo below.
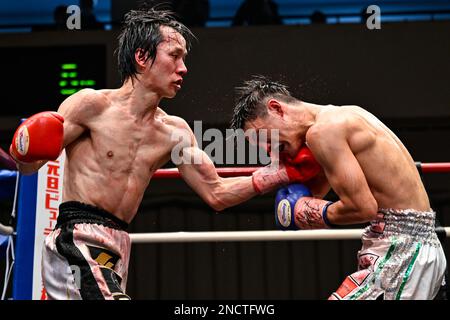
(375, 178)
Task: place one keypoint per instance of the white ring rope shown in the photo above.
(226, 236)
(8, 268)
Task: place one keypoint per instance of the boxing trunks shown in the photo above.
(86, 255)
(401, 258)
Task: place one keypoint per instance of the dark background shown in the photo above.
(34, 73)
(400, 73)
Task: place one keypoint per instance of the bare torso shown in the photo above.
(387, 165)
(110, 165)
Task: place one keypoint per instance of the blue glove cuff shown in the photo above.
(325, 215)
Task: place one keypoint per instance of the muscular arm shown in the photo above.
(331, 148)
(72, 110)
(219, 193)
(199, 172)
(319, 185)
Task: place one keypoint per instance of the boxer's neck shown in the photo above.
(305, 114)
(139, 100)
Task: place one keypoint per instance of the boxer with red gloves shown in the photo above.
(39, 137)
(115, 140)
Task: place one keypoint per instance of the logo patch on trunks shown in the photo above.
(351, 283)
(107, 261)
(367, 260)
(103, 257)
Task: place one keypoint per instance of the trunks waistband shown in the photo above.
(408, 218)
(72, 212)
(410, 223)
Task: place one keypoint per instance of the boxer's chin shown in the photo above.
(171, 93)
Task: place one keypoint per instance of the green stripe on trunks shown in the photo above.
(377, 272)
(408, 271)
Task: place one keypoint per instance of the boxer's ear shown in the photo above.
(141, 57)
(273, 105)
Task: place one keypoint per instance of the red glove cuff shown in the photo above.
(268, 178)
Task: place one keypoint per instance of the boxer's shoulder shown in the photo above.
(326, 125)
(339, 118)
(92, 95)
(331, 128)
(174, 121)
(175, 127)
(88, 101)
(84, 107)
(338, 114)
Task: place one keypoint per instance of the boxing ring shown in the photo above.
(38, 197)
(225, 236)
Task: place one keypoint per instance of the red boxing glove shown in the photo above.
(300, 169)
(40, 137)
(303, 167)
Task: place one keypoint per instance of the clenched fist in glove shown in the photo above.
(40, 137)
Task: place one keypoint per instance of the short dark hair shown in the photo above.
(141, 29)
(251, 98)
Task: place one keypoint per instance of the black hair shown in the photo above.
(251, 98)
(141, 30)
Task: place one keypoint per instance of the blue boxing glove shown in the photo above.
(295, 208)
(285, 203)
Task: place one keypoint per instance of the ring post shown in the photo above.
(38, 201)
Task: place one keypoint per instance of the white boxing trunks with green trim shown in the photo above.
(401, 258)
